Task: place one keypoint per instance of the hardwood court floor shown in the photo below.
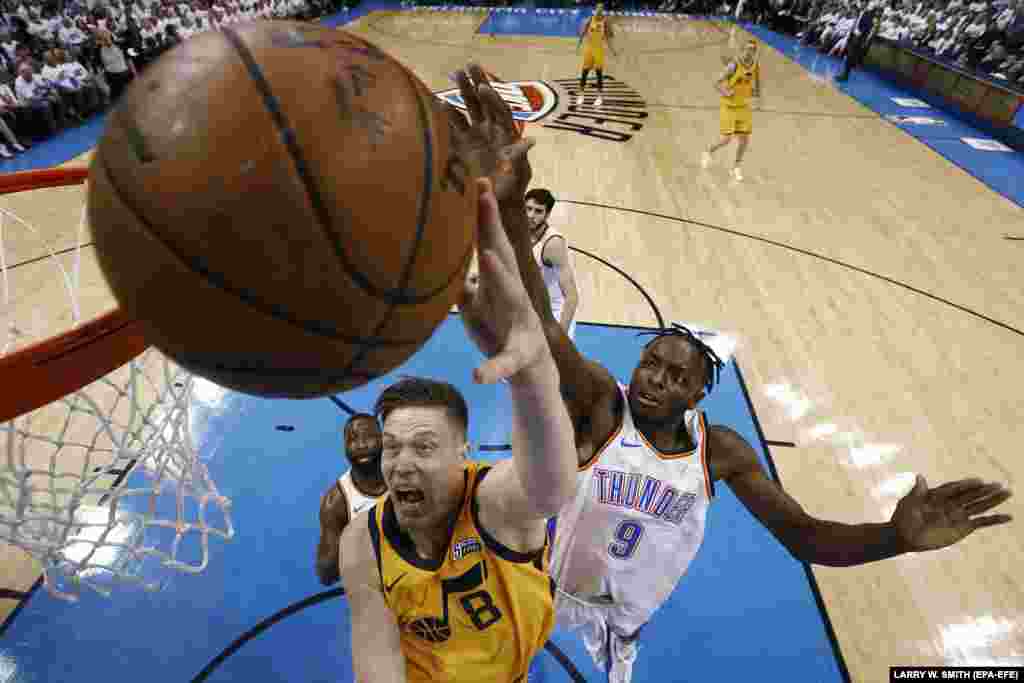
(877, 308)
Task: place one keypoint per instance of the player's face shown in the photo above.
(536, 213)
(362, 441)
(423, 465)
(667, 381)
(749, 53)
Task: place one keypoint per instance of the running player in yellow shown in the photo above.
(596, 33)
(740, 82)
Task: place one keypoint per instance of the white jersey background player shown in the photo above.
(353, 492)
(648, 464)
(551, 252)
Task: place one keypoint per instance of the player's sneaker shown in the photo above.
(579, 100)
(705, 159)
(597, 102)
(623, 655)
(737, 173)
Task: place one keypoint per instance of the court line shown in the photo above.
(837, 651)
(805, 252)
(323, 596)
(643, 292)
(20, 606)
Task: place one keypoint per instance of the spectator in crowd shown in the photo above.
(72, 37)
(66, 88)
(11, 115)
(993, 58)
(118, 70)
(40, 98)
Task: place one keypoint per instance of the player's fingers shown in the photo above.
(951, 489)
(499, 112)
(991, 520)
(457, 119)
(517, 150)
(469, 96)
(480, 84)
(986, 500)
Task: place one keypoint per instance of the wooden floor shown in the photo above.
(864, 277)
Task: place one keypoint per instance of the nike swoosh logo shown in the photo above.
(627, 444)
(387, 589)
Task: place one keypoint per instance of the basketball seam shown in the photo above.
(426, 194)
(398, 295)
(317, 328)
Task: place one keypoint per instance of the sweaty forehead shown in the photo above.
(406, 423)
(675, 350)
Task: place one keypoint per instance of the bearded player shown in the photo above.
(355, 491)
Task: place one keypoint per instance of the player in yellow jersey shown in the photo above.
(597, 32)
(447, 577)
(738, 84)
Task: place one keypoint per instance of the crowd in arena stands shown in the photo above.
(984, 36)
(63, 60)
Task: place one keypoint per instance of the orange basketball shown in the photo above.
(279, 204)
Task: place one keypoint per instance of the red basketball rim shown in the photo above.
(50, 369)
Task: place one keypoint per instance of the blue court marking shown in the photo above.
(744, 611)
(535, 22)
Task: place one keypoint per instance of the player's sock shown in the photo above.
(600, 80)
(583, 80)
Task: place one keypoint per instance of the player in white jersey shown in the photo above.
(648, 509)
(616, 557)
(551, 251)
(355, 491)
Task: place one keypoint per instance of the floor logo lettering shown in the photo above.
(621, 115)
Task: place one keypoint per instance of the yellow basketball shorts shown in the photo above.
(593, 58)
(735, 120)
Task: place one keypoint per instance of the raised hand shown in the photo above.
(496, 309)
(928, 519)
(489, 140)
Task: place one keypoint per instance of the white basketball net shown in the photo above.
(104, 487)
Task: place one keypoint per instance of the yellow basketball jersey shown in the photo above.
(596, 31)
(742, 83)
(479, 614)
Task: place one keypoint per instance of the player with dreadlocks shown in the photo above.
(648, 462)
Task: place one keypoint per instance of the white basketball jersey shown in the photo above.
(637, 519)
(357, 502)
(550, 275)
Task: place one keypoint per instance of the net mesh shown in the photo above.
(104, 486)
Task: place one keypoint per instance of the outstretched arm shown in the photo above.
(333, 519)
(538, 480)
(924, 520)
(588, 388)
